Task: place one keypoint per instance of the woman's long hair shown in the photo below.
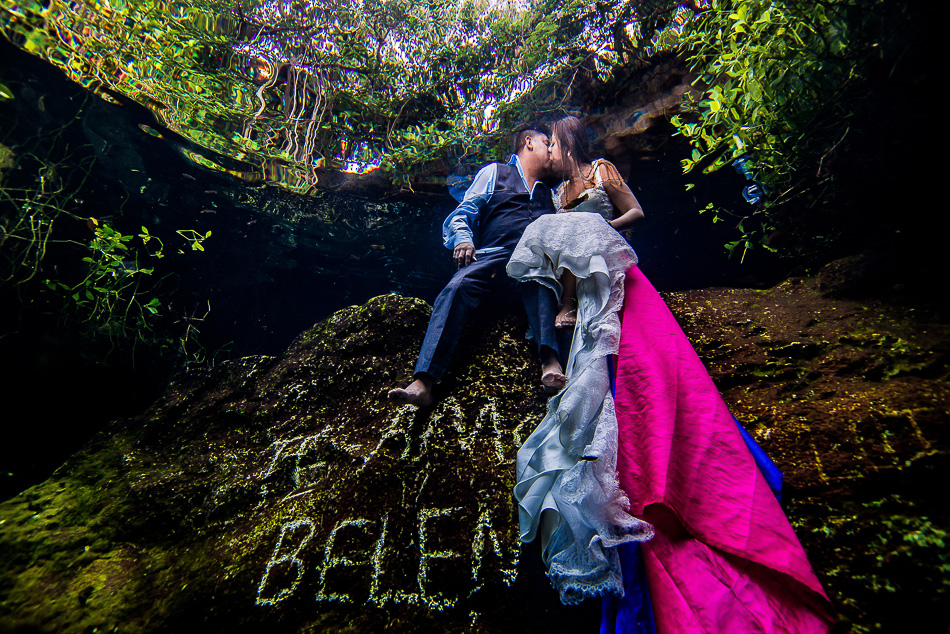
(571, 133)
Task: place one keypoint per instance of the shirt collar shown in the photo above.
(514, 160)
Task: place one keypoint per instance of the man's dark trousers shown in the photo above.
(463, 294)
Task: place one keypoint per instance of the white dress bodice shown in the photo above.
(597, 200)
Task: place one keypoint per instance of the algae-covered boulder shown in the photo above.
(288, 494)
(285, 494)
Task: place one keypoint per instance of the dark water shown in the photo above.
(276, 262)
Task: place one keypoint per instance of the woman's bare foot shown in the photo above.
(418, 393)
(567, 316)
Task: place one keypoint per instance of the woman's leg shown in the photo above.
(567, 316)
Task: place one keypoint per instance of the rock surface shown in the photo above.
(284, 494)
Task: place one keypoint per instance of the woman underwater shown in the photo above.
(717, 553)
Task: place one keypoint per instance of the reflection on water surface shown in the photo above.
(299, 91)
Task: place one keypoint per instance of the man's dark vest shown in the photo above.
(510, 209)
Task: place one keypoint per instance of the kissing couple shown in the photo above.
(562, 252)
(496, 219)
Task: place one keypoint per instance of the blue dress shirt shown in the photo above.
(458, 227)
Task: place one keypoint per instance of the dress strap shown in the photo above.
(557, 195)
(597, 177)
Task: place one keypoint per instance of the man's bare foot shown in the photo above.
(553, 378)
(418, 393)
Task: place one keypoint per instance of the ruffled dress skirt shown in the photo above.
(716, 552)
(567, 487)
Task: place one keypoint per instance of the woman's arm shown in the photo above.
(621, 197)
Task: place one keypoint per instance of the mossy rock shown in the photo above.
(286, 494)
(289, 493)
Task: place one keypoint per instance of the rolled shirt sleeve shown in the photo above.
(460, 226)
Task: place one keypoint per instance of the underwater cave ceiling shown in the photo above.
(367, 97)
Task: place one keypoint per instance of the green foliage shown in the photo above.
(194, 238)
(293, 88)
(778, 82)
(101, 287)
(29, 212)
(111, 298)
(115, 299)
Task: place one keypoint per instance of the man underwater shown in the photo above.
(502, 200)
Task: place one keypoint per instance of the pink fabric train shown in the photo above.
(725, 558)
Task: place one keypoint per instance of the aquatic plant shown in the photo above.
(111, 297)
(30, 207)
(778, 84)
(99, 282)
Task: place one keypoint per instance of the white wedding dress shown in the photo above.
(567, 487)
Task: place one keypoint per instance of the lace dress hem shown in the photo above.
(567, 485)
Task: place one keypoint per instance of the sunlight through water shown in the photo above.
(296, 88)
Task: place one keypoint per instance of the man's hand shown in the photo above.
(464, 254)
